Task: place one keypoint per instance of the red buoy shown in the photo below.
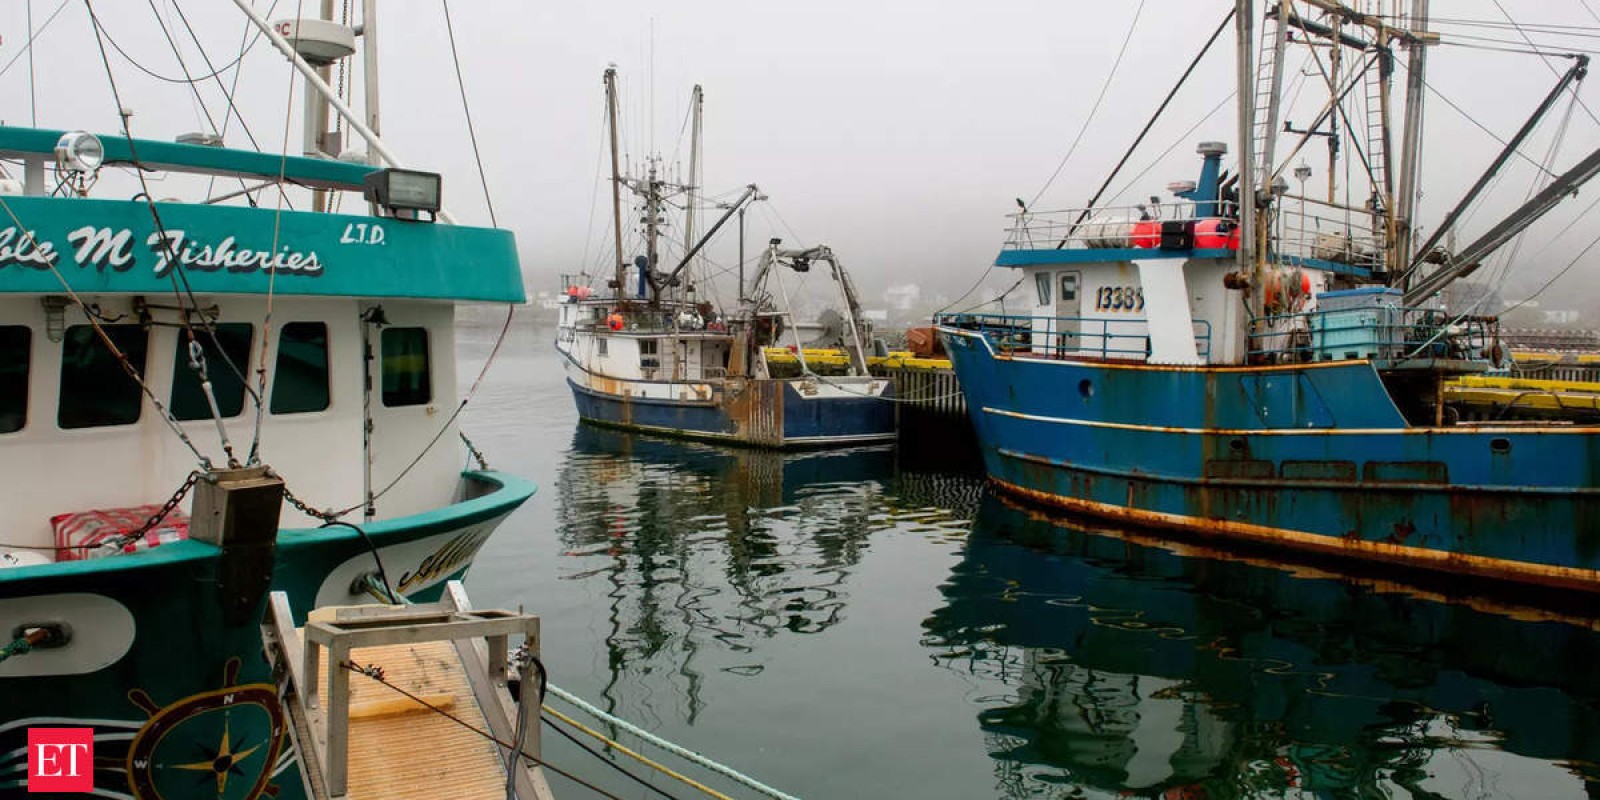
(614, 322)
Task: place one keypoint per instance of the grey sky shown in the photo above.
(898, 132)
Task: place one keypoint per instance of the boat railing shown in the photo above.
(1063, 337)
(1310, 228)
(1104, 227)
(1303, 229)
(1384, 332)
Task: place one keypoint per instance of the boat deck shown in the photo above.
(413, 714)
(400, 749)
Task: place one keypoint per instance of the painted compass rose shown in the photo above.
(227, 740)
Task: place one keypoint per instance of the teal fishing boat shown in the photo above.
(209, 398)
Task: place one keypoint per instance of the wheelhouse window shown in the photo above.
(1069, 287)
(95, 390)
(407, 380)
(231, 346)
(600, 346)
(1041, 284)
(648, 354)
(16, 343)
(300, 379)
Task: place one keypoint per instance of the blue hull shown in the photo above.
(1314, 457)
(773, 415)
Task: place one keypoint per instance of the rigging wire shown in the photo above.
(1563, 271)
(1545, 57)
(1160, 109)
(511, 312)
(216, 73)
(177, 273)
(189, 79)
(472, 133)
(105, 338)
(1534, 186)
(33, 89)
(27, 47)
(1104, 87)
(1178, 141)
(254, 456)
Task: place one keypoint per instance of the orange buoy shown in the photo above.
(614, 322)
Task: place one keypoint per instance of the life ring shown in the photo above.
(614, 322)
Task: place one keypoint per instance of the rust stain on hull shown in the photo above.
(1439, 561)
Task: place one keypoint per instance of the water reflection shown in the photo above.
(1116, 666)
(706, 551)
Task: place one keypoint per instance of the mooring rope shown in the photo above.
(679, 751)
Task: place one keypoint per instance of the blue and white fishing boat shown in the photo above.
(1229, 364)
(651, 351)
(287, 367)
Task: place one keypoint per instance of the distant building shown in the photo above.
(901, 298)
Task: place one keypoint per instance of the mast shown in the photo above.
(616, 181)
(1243, 21)
(369, 67)
(1410, 141)
(316, 118)
(696, 100)
(652, 230)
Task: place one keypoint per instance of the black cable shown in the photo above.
(1115, 65)
(377, 675)
(483, 177)
(1153, 117)
(571, 737)
(216, 73)
(158, 76)
(189, 79)
(176, 272)
(382, 574)
(27, 47)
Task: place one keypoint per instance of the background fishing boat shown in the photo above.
(1241, 362)
(652, 350)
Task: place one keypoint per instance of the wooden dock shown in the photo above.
(384, 733)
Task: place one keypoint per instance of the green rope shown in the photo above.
(19, 647)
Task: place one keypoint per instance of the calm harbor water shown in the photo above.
(873, 624)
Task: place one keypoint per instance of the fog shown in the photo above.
(900, 133)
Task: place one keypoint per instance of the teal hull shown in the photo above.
(182, 700)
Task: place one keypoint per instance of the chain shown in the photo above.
(155, 519)
(477, 455)
(304, 507)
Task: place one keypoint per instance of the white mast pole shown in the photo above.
(1410, 143)
(694, 168)
(321, 86)
(369, 66)
(316, 119)
(1243, 21)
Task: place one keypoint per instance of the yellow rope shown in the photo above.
(636, 756)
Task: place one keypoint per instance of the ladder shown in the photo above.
(358, 738)
(1267, 85)
(1375, 88)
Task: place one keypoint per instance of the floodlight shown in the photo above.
(78, 151)
(403, 190)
